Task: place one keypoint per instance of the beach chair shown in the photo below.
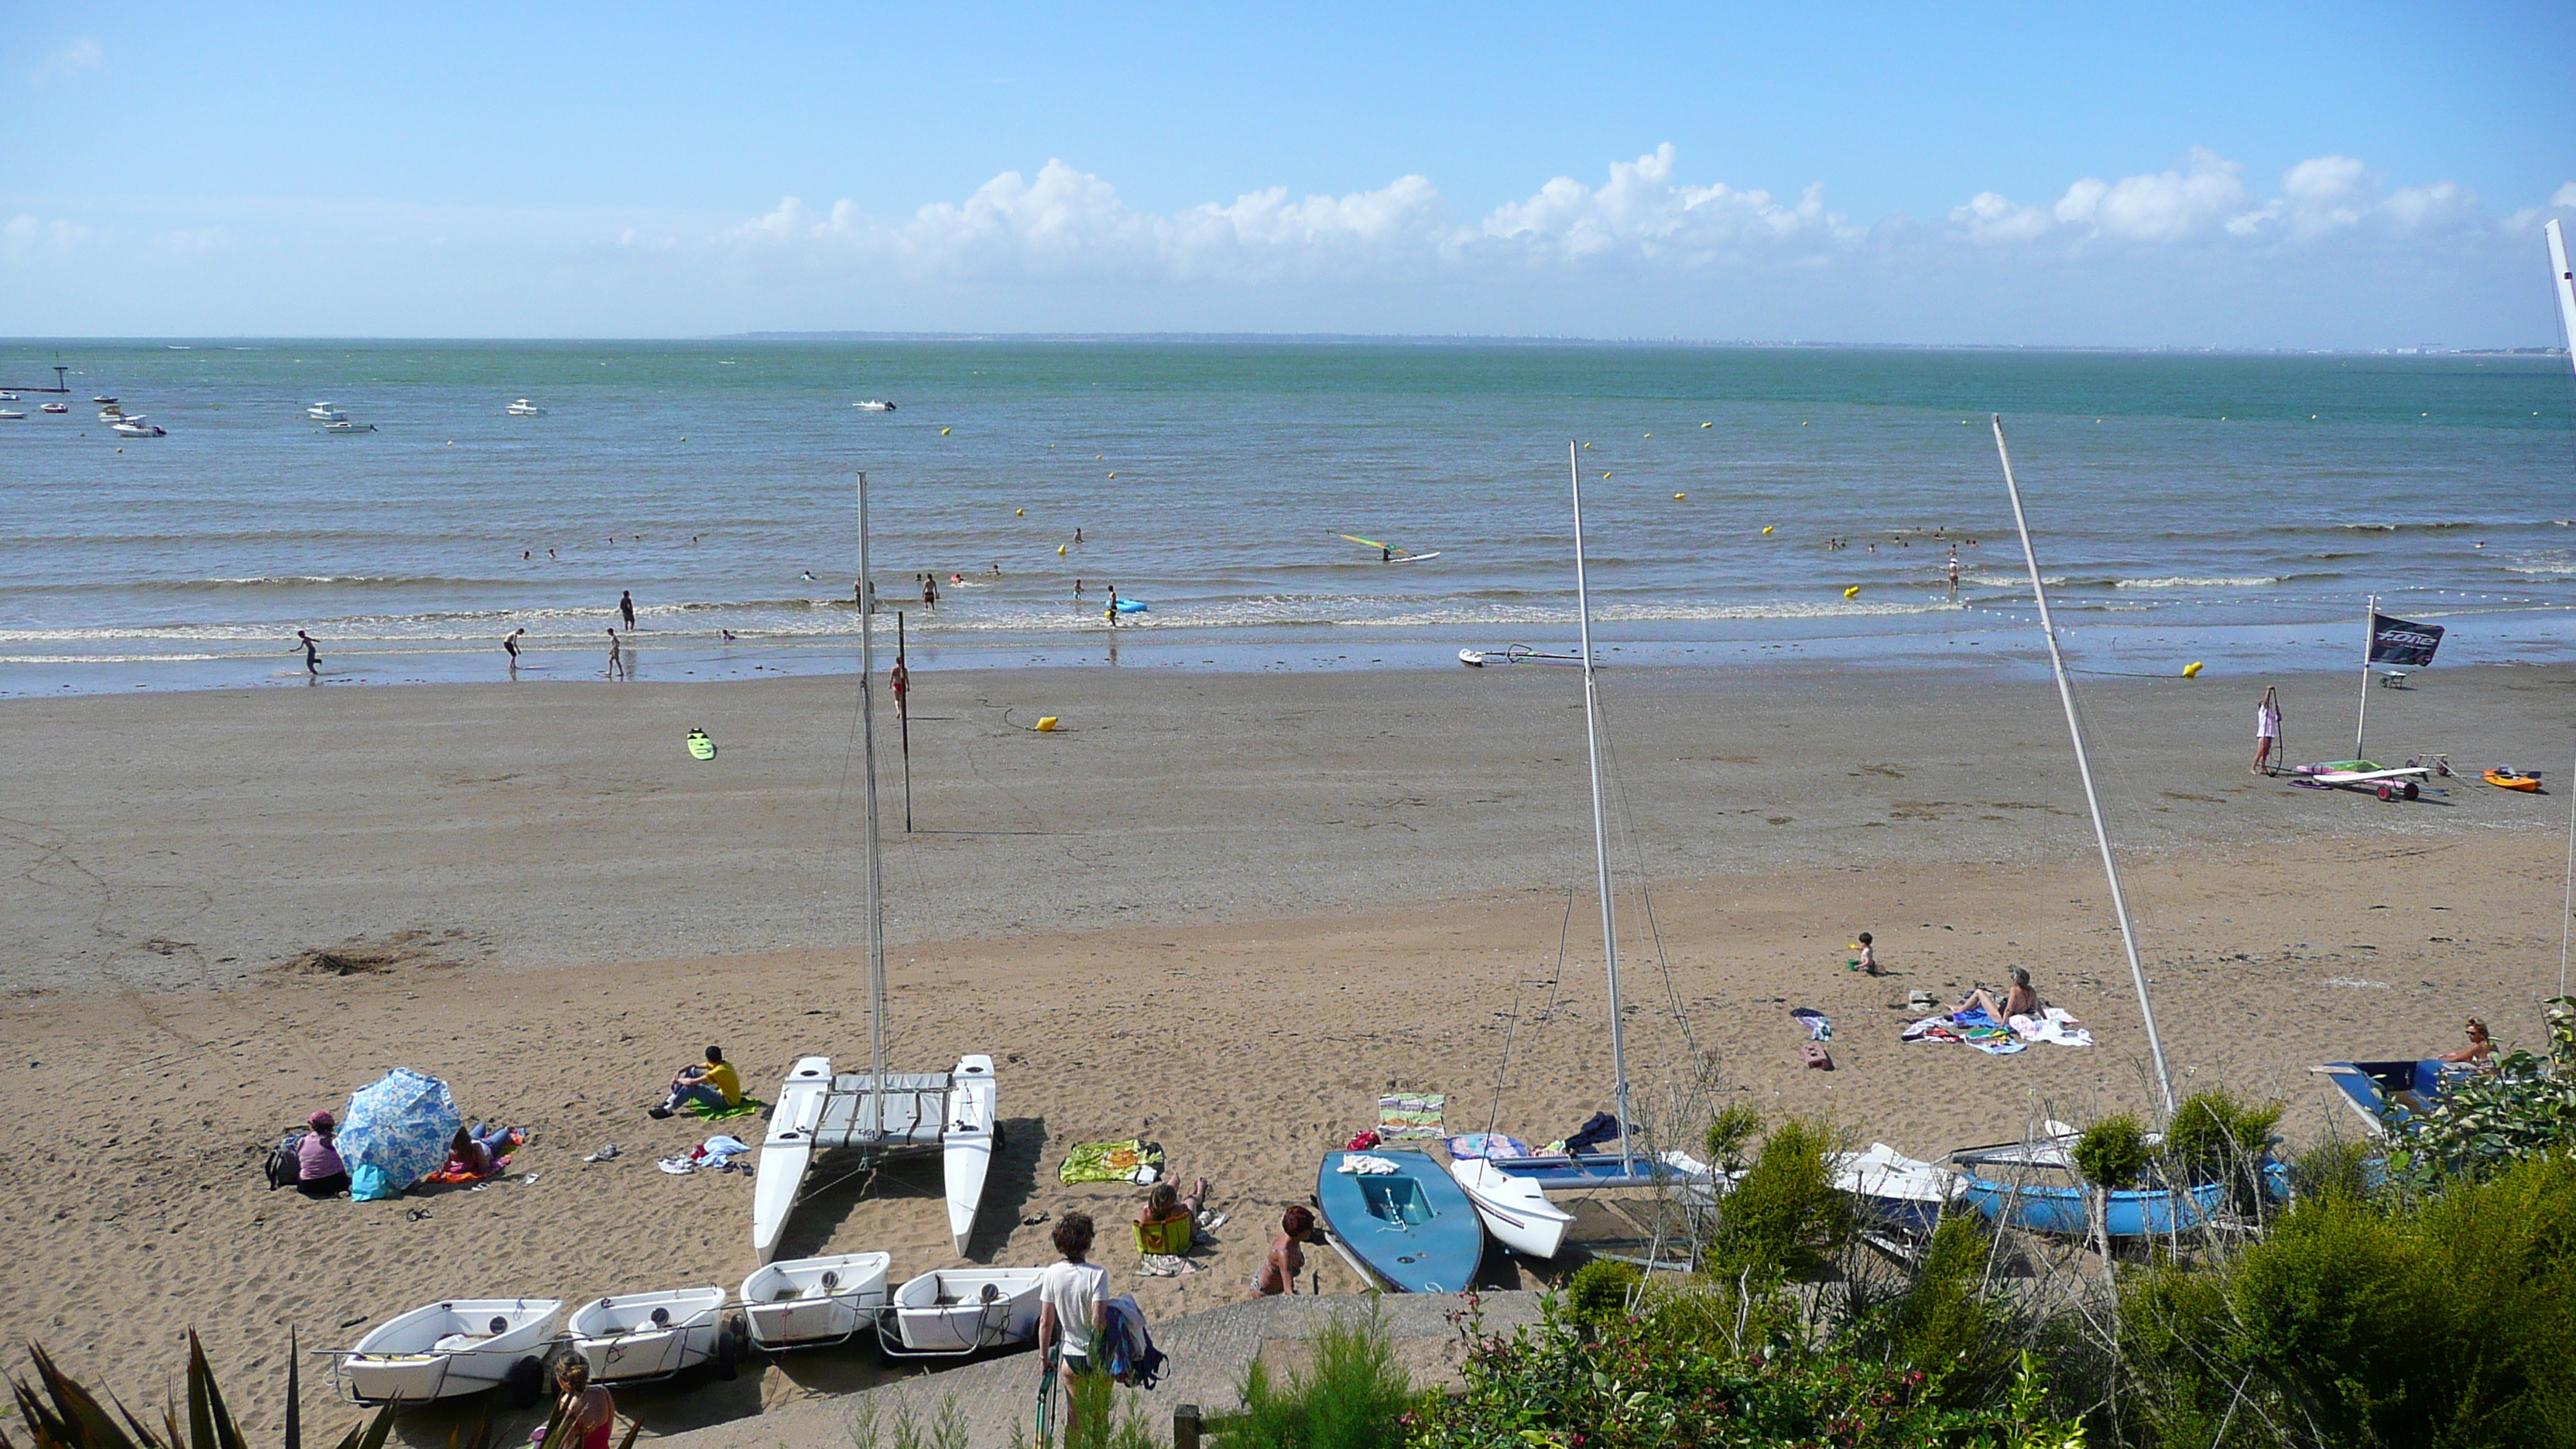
(1171, 1237)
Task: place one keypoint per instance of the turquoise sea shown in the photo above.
(2231, 508)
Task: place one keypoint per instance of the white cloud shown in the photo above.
(2169, 206)
(1990, 216)
(1643, 213)
(67, 60)
(2566, 195)
(25, 236)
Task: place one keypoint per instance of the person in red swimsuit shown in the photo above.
(588, 1407)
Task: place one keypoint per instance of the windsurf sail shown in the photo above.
(1385, 550)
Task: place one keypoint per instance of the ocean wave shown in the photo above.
(2263, 582)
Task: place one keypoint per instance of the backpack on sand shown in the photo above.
(286, 1161)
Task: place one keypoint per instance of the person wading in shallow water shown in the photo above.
(626, 608)
(312, 653)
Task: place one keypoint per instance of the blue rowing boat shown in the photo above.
(2126, 1214)
(1414, 1227)
(2386, 1092)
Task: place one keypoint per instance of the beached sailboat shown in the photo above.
(1410, 1223)
(443, 1350)
(871, 1113)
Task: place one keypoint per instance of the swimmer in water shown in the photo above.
(807, 576)
(728, 635)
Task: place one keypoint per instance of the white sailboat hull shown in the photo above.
(787, 1152)
(966, 1145)
(1515, 1210)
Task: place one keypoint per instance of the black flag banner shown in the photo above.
(2396, 641)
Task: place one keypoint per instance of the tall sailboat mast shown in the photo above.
(1600, 832)
(876, 874)
(2084, 769)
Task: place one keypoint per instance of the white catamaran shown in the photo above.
(871, 1113)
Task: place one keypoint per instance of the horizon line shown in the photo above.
(1338, 339)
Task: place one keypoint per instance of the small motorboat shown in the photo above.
(2506, 777)
(57, 408)
(444, 1350)
(1413, 1227)
(638, 1336)
(958, 1311)
(1896, 1190)
(111, 413)
(526, 409)
(103, 400)
(2391, 1092)
(10, 413)
(813, 1302)
(345, 426)
(7, 396)
(1516, 654)
(323, 412)
(1515, 1210)
(135, 427)
(873, 406)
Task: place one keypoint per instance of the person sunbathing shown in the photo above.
(2020, 1000)
(1169, 1218)
(477, 1151)
(2480, 1049)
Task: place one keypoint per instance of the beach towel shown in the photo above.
(1164, 1265)
(743, 1108)
(1410, 1114)
(1818, 1027)
(1363, 1165)
(1486, 1144)
(1134, 1160)
(2054, 1026)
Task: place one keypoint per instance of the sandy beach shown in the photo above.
(1219, 911)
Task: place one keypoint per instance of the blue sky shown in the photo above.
(2239, 175)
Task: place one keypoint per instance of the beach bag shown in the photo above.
(286, 1161)
(1130, 1355)
(369, 1183)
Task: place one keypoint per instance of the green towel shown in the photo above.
(1110, 1161)
(743, 1108)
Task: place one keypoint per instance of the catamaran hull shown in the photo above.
(1515, 1211)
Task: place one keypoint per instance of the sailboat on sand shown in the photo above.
(874, 1115)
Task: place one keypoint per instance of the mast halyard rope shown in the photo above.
(876, 872)
(1600, 834)
(2084, 768)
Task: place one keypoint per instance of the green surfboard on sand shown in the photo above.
(700, 747)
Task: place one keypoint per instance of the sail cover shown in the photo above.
(2397, 641)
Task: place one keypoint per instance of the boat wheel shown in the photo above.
(2387, 794)
(2412, 790)
(524, 1386)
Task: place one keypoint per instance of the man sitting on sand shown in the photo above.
(2021, 1000)
(711, 1083)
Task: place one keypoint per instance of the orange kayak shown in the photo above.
(2504, 779)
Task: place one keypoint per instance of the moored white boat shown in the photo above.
(634, 1336)
(136, 427)
(348, 427)
(873, 406)
(957, 1311)
(462, 1346)
(111, 413)
(1515, 1210)
(526, 409)
(7, 413)
(56, 408)
(103, 399)
(811, 1302)
(323, 412)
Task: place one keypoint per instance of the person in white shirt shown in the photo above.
(1073, 1308)
(2267, 732)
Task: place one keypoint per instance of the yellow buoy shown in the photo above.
(1678, 497)
(1766, 529)
(1605, 477)
(1650, 435)
(943, 432)
(1587, 447)
(1059, 550)
(1708, 425)
(1852, 593)
(1113, 475)
(1046, 724)
(1019, 513)
(2191, 670)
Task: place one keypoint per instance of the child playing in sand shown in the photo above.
(1287, 1259)
(711, 1083)
(588, 1407)
(1868, 956)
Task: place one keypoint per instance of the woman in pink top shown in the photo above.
(588, 1407)
(318, 1169)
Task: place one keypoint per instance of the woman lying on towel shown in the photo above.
(478, 1152)
(2021, 1000)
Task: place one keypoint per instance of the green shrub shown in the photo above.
(1354, 1396)
(1785, 1211)
(2212, 1135)
(1940, 1325)
(59, 1412)
(2332, 1168)
(2448, 1321)
(1600, 1289)
(1729, 1131)
(2112, 1153)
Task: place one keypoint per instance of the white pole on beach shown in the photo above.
(876, 881)
(2562, 280)
(2084, 769)
(1600, 833)
(2369, 637)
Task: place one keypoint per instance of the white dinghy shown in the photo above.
(1515, 1209)
(462, 1346)
(959, 1311)
(638, 1336)
(876, 1113)
(813, 1302)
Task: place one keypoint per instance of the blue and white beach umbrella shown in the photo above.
(399, 1126)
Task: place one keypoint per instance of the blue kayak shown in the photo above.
(1414, 1227)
